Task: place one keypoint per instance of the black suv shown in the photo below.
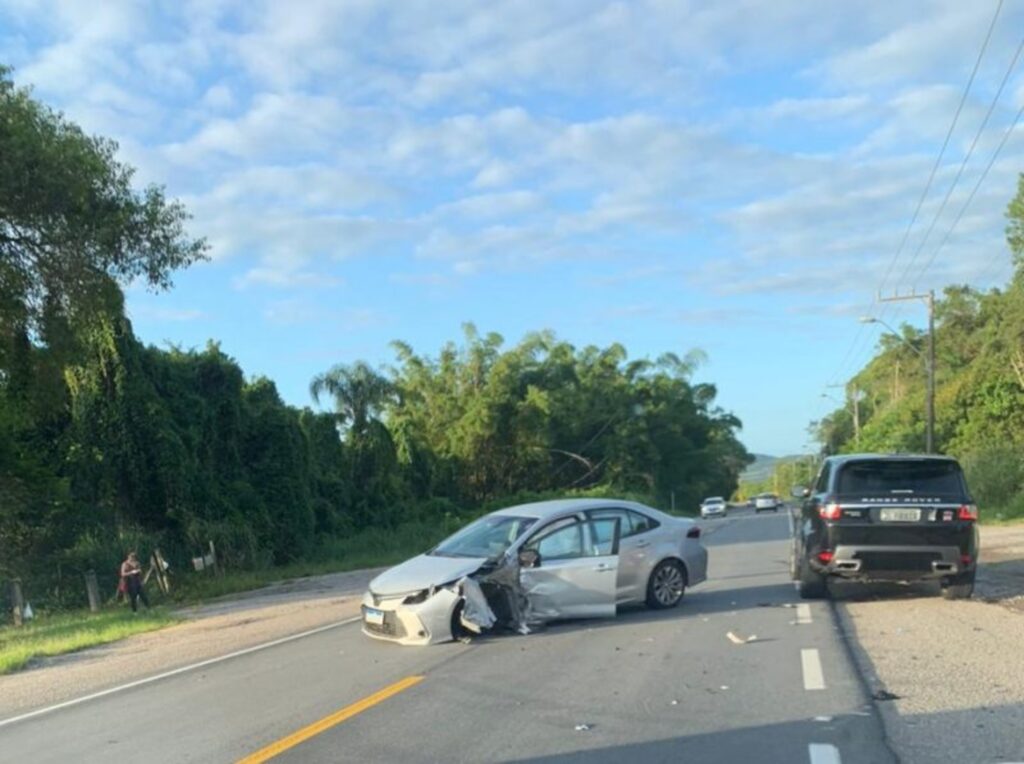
(886, 518)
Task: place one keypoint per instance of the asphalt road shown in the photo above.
(645, 686)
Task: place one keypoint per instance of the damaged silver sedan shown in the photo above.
(526, 565)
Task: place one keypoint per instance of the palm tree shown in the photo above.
(358, 391)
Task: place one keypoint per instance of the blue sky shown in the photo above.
(734, 176)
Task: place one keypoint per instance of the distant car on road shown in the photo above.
(551, 560)
(873, 517)
(766, 502)
(713, 506)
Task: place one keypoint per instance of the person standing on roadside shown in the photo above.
(131, 575)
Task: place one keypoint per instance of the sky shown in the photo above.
(739, 177)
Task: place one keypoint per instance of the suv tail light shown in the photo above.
(968, 512)
(825, 556)
(830, 511)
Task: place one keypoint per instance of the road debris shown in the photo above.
(583, 727)
(738, 640)
(884, 695)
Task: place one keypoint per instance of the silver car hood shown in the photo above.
(422, 572)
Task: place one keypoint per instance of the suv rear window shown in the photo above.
(900, 476)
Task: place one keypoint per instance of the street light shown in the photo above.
(855, 405)
(929, 362)
(900, 337)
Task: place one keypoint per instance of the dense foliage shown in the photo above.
(979, 380)
(106, 444)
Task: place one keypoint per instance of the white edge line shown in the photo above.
(823, 753)
(814, 677)
(175, 672)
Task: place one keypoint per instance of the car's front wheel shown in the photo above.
(666, 585)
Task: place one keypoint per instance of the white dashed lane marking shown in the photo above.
(803, 614)
(814, 679)
(823, 753)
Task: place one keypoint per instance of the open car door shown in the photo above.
(570, 569)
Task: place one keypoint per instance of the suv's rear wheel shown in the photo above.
(959, 588)
(810, 585)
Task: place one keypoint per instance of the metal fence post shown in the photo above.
(17, 601)
(92, 589)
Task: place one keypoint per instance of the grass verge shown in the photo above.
(371, 548)
(67, 632)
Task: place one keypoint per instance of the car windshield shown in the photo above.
(489, 536)
(900, 476)
(714, 500)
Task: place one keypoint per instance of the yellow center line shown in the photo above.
(300, 736)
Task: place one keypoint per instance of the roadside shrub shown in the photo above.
(995, 476)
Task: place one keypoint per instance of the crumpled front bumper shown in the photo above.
(423, 623)
(428, 618)
(417, 619)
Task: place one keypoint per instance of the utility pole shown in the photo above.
(929, 360)
(856, 417)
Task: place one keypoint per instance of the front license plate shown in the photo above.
(374, 616)
(893, 515)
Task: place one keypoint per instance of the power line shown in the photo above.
(931, 177)
(963, 164)
(970, 198)
(945, 144)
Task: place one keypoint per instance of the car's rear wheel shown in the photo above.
(667, 584)
(960, 588)
(810, 585)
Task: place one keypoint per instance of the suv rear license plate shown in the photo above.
(374, 616)
(893, 515)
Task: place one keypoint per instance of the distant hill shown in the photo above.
(763, 467)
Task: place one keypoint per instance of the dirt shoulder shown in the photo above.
(209, 631)
(954, 669)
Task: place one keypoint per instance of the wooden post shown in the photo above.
(161, 574)
(92, 589)
(17, 601)
(157, 567)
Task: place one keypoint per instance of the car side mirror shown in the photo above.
(800, 492)
(529, 558)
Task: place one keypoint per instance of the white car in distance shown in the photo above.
(713, 506)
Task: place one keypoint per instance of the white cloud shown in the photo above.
(284, 278)
(490, 206)
(166, 314)
(298, 311)
(814, 109)
(511, 135)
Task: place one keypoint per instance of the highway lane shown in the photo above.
(648, 686)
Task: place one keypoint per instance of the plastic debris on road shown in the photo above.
(738, 640)
(582, 727)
